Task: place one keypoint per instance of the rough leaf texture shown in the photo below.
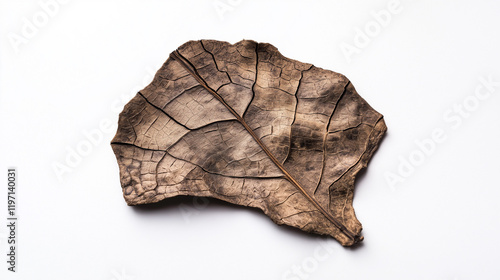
(244, 124)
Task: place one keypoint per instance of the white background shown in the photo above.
(77, 69)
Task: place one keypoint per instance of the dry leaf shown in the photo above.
(246, 125)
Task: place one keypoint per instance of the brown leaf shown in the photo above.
(244, 124)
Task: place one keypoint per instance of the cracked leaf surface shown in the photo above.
(244, 124)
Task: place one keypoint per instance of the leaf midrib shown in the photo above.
(189, 67)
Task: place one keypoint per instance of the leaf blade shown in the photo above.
(281, 203)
